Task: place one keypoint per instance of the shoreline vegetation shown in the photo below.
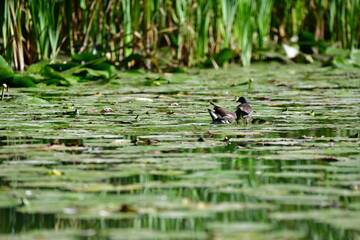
(166, 36)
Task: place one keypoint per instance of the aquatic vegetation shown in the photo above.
(142, 159)
(80, 68)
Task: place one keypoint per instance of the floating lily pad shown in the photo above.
(337, 218)
(132, 234)
(67, 234)
(23, 99)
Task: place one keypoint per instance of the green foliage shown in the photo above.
(355, 57)
(84, 57)
(46, 25)
(220, 58)
(132, 33)
(63, 74)
(229, 8)
(340, 60)
(263, 18)
(245, 30)
(8, 76)
(5, 70)
(22, 81)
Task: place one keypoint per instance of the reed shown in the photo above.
(245, 26)
(229, 9)
(202, 29)
(263, 18)
(189, 31)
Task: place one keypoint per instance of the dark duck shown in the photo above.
(221, 115)
(243, 110)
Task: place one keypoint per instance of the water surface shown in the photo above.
(142, 161)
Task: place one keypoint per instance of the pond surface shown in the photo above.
(139, 158)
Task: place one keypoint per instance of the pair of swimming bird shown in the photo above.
(243, 111)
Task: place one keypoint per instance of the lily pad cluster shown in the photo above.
(80, 68)
(141, 159)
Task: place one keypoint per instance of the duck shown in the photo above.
(243, 110)
(221, 115)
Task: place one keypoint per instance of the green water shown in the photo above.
(141, 160)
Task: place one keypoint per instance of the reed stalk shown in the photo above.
(202, 20)
(5, 29)
(191, 30)
(229, 9)
(16, 34)
(263, 18)
(245, 30)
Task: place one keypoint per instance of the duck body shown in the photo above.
(243, 110)
(221, 115)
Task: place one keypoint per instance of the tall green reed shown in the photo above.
(344, 22)
(191, 30)
(182, 21)
(5, 20)
(354, 23)
(38, 11)
(15, 31)
(229, 9)
(202, 21)
(244, 30)
(263, 18)
(126, 9)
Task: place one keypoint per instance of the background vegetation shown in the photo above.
(134, 33)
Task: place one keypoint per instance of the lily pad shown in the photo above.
(23, 99)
